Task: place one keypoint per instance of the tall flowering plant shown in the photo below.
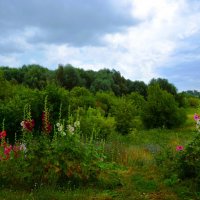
(46, 125)
(28, 123)
(7, 150)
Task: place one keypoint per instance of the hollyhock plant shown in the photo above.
(46, 126)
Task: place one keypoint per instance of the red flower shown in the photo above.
(28, 124)
(2, 134)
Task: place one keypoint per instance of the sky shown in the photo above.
(142, 39)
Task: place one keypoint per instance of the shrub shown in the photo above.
(188, 164)
(124, 112)
(161, 110)
(94, 124)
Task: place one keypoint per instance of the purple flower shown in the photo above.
(196, 117)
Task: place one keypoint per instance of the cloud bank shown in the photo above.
(142, 39)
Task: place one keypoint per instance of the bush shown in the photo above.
(189, 163)
(64, 161)
(124, 112)
(94, 124)
(161, 110)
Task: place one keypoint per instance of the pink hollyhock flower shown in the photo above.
(196, 117)
(179, 148)
(2, 134)
(7, 150)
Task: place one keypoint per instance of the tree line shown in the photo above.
(105, 100)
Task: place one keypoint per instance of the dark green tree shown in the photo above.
(71, 77)
(161, 110)
(164, 85)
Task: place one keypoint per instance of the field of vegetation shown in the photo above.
(75, 134)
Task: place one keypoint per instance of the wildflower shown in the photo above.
(196, 117)
(70, 129)
(60, 127)
(23, 147)
(22, 124)
(2, 134)
(7, 150)
(179, 148)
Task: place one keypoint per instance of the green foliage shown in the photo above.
(164, 85)
(124, 112)
(193, 102)
(137, 86)
(57, 96)
(105, 101)
(162, 110)
(35, 76)
(70, 77)
(12, 108)
(189, 163)
(94, 125)
(138, 101)
(5, 88)
(81, 97)
(103, 81)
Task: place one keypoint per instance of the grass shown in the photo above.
(136, 176)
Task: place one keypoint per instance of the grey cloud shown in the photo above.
(76, 22)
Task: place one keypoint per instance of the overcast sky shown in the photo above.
(143, 39)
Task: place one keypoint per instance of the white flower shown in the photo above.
(70, 129)
(60, 128)
(22, 124)
(77, 124)
(23, 147)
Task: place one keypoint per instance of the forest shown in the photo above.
(72, 133)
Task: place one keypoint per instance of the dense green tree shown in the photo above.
(5, 87)
(71, 77)
(60, 77)
(81, 97)
(138, 101)
(164, 85)
(105, 100)
(124, 112)
(15, 75)
(137, 86)
(161, 109)
(35, 76)
(87, 77)
(119, 86)
(103, 81)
